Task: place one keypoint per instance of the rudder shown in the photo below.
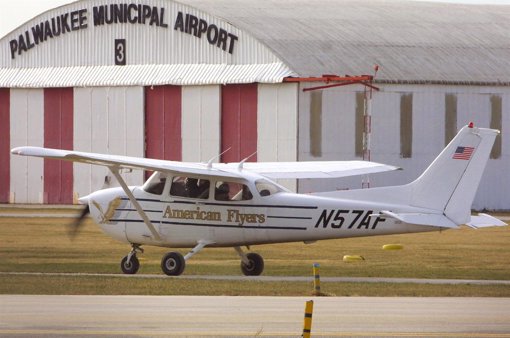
(451, 181)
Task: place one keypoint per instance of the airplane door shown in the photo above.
(136, 229)
(149, 198)
(241, 212)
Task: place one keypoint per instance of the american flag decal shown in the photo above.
(463, 153)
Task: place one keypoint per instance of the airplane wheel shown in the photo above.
(173, 264)
(255, 267)
(130, 268)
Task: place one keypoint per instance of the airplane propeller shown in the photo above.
(74, 228)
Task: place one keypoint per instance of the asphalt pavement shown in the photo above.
(193, 316)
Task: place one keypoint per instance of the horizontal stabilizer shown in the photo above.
(435, 220)
(485, 221)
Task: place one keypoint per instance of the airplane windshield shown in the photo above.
(155, 184)
(266, 188)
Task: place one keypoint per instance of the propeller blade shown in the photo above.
(74, 228)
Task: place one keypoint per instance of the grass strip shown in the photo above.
(86, 285)
(41, 245)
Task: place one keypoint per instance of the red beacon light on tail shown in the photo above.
(471, 125)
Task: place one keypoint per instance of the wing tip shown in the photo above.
(21, 150)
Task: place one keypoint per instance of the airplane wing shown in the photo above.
(310, 169)
(273, 170)
(123, 162)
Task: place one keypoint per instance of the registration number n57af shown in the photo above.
(349, 219)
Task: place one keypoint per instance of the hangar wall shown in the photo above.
(158, 79)
(184, 84)
(133, 43)
(189, 123)
(435, 111)
(277, 121)
(107, 120)
(95, 26)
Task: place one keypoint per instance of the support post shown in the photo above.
(316, 280)
(307, 325)
(367, 132)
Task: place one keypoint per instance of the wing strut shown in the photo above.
(115, 172)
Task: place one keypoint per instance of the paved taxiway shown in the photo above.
(181, 316)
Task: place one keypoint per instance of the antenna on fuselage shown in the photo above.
(240, 166)
(210, 162)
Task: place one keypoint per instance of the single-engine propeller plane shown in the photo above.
(197, 205)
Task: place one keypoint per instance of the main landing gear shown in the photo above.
(173, 263)
(252, 264)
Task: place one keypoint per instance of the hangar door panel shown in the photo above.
(26, 121)
(239, 122)
(5, 144)
(107, 120)
(58, 133)
(163, 122)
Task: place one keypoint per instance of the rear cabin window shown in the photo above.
(266, 188)
(232, 191)
(190, 187)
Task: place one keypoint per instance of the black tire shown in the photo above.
(173, 264)
(255, 267)
(130, 268)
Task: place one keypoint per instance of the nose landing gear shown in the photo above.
(130, 264)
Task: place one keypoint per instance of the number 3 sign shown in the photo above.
(120, 52)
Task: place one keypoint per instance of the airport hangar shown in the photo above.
(187, 80)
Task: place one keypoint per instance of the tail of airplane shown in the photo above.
(447, 187)
(451, 181)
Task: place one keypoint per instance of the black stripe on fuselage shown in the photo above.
(199, 202)
(125, 209)
(213, 225)
(276, 217)
(289, 217)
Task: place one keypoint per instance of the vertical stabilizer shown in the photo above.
(451, 181)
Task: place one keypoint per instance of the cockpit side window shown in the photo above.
(232, 191)
(155, 184)
(190, 187)
(266, 188)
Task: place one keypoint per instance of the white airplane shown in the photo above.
(194, 205)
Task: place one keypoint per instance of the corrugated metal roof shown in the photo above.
(413, 42)
(143, 75)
